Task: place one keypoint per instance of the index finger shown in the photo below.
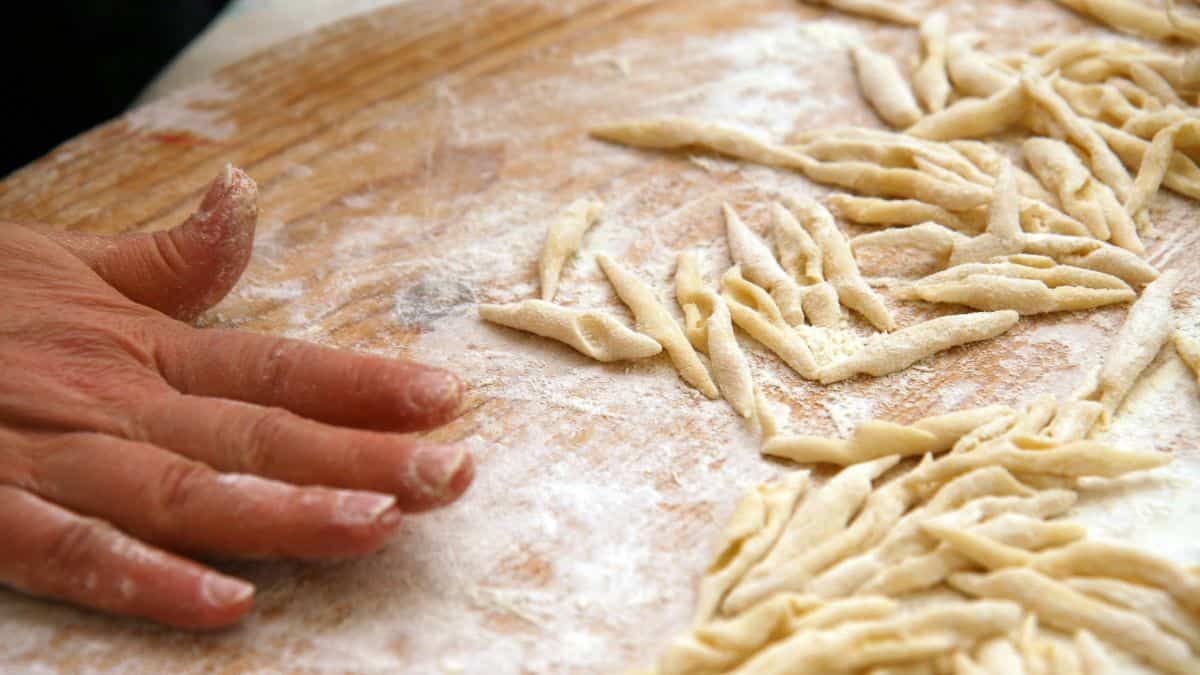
(327, 385)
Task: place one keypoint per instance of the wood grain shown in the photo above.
(408, 162)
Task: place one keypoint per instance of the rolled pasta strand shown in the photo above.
(562, 241)
(1146, 329)
(839, 265)
(1157, 161)
(891, 150)
(1182, 175)
(1060, 169)
(1010, 520)
(1003, 235)
(930, 80)
(1082, 252)
(730, 369)
(899, 212)
(1129, 16)
(654, 319)
(884, 87)
(913, 636)
(872, 180)
(1059, 606)
(673, 132)
(975, 117)
(879, 438)
(1153, 83)
(883, 10)
(759, 266)
(1084, 197)
(1093, 255)
(871, 440)
(1070, 461)
(972, 72)
(801, 258)
(1104, 162)
(696, 304)
(995, 293)
(1188, 349)
(753, 310)
(820, 516)
(592, 334)
(1096, 659)
(886, 354)
(720, 645)
(710, 329)
(752, 530)
(1152, 603)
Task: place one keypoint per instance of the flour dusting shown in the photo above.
(185, 111)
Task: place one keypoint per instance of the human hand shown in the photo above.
(125, 433)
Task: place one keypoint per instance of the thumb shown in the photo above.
(185, 270)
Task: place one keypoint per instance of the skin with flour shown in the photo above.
(217, 427)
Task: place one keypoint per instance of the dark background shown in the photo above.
(69, 65)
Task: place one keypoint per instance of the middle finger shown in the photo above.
(184, 505)
(272, 442)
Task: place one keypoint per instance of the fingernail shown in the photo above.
(357, 508)
(435, 390)
(391, 519)
(436, 466)
(222, 591)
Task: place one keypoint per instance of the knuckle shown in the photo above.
(171, 261)
(279, 363)
(263, 436)
(77, 543)
(179, 484)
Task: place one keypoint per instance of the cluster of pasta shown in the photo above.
(1127, 16)
(767, 297)
(1063, 235)
(957, 564)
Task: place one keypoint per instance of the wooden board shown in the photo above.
(409, 161)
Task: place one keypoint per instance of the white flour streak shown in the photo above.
(186, 112)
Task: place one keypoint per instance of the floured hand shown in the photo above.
(125, 433)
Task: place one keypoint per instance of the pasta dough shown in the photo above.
(890, 353)
(800, 257)
(755, 312)
(710, 330)
(973, 117)
(1026, 285)
(1085, 198)
(1157, 161)
(1188, 349)
(876, 438)
(930, 81)
(838, 263)
(563, 240)
(895, 212)
(760, 267)
(884, 87)
(1080, 252)
(1133, 17)
(884, 10)
(654, 319)
(672, 132)
(1104, 162)
(1146, 330)
(593, 334)
(1059, 606)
